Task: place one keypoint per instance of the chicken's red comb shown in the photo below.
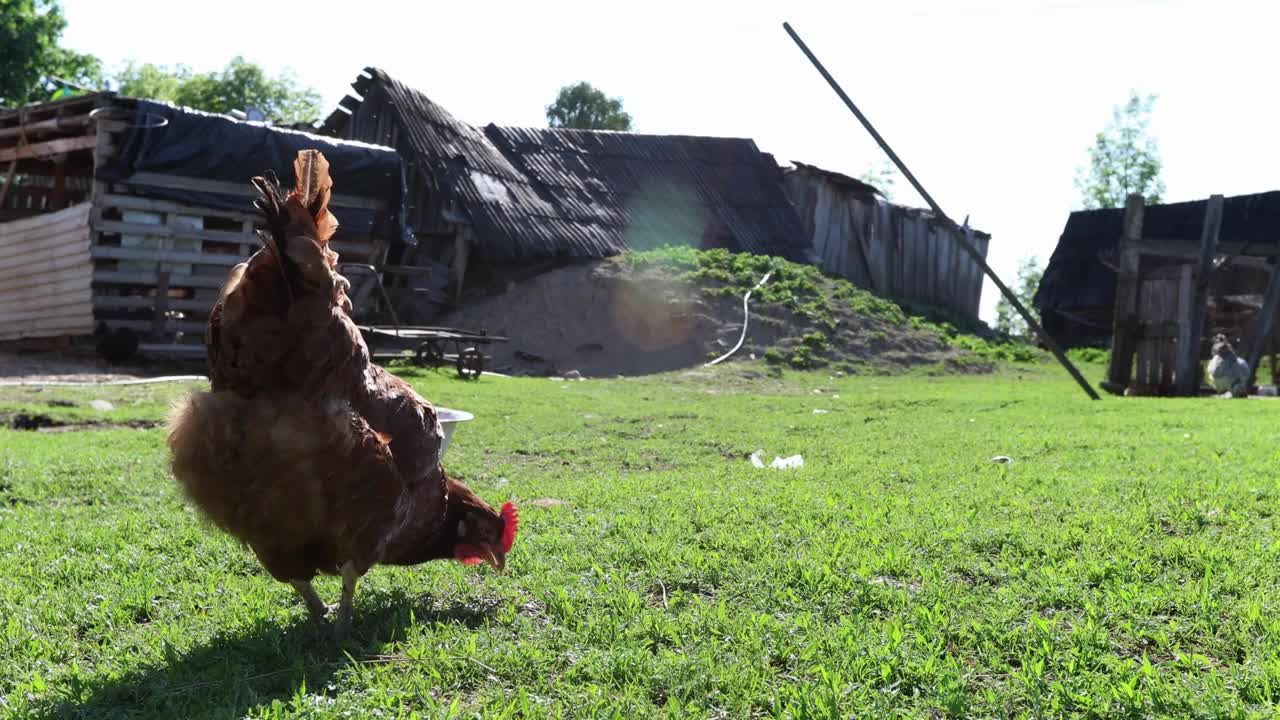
(511, 522)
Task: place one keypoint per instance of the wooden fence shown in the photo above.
(895, 251)
(45, 288)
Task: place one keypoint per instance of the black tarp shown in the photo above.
(203, 146)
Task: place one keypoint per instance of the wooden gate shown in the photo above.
(1163, 295)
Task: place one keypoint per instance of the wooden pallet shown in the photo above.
(158, 265)
(47, 155)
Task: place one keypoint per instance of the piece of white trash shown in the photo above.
(1003, 459)
(779, 463)
(820, 411)
(787, 462)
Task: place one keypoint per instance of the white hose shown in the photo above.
(745, 314)
(139, 381)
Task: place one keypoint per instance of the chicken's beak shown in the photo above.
(496, 559)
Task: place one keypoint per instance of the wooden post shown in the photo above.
(1188, 370)
(462, 253)
(1186, 298)
(102, 150)
(1262, 329)
(8, 180)
(58, 199)
(158, 320)
(1124, 324)
(947, 222)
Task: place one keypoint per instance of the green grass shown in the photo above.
(1125, 565)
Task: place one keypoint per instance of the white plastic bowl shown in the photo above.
(449, 418)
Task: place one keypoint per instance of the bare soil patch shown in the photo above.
(604, 319)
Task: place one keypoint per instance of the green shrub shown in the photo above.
(816, 341)
(1008, 351)
(803, 358)
(1088, 356)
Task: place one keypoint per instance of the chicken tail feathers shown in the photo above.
(270, 204)
(312, 191)
(298, 224)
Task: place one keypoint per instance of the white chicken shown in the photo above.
(1228, 371)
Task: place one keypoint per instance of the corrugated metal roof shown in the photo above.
(438, 137)
(537, 192)
(624, 189)
(852, 183)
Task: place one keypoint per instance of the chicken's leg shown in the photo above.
(345, 604)
(317, 607)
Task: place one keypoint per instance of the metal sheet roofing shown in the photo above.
(537, 192)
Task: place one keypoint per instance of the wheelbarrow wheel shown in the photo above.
(429, 354)
(470, 364)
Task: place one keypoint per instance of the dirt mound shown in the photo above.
(610, 318)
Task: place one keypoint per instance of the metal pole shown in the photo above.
(946, 221)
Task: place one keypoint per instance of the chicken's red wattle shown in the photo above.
(511, 523)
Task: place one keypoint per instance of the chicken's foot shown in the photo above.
(346, 603)
(317, 606)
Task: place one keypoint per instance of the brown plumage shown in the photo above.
(305, 450)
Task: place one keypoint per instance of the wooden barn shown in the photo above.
(895, 251)
(121, 217)
(488, 205)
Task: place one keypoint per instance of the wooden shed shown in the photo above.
(123, 216)
(899, 252)
(1157, 283)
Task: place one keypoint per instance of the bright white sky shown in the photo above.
(992, 103)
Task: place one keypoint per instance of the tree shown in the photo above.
(583, 107)
(1124, 159)
(1008, 320)
(881, 178)
(32, 65)
(154, 82)
(238, 86)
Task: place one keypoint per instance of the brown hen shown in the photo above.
(305, 450)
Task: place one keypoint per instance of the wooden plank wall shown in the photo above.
(121, 255)
(45, 288)
(895, 251)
